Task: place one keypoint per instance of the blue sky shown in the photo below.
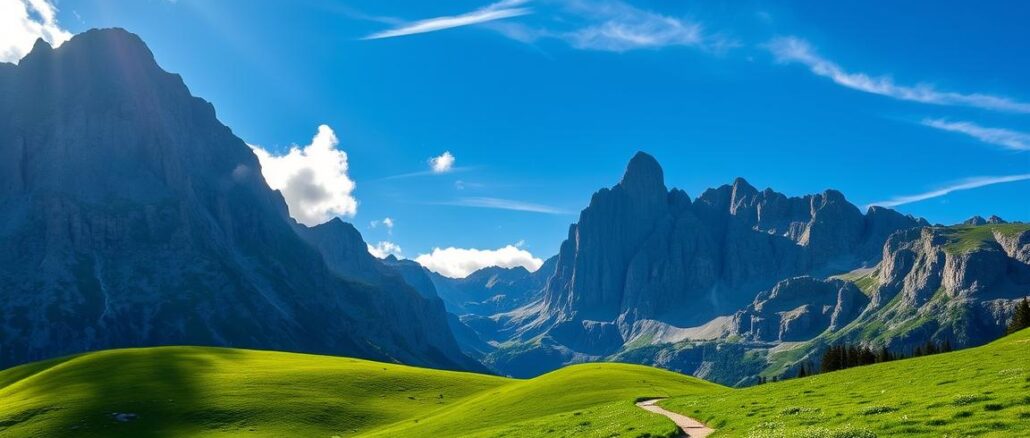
(540, 103)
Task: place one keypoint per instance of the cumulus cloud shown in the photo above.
(460, 262)
(796, 50)
(312, 178)
(384, 249)
(967, 184)
(1015, 140)
(443, 163)
(496, 11)
(22, 22)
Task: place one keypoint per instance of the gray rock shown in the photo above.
(799, 309)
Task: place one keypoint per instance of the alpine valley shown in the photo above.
(134, 218)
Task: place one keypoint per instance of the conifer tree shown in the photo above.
(1020, 318)
(884, 355)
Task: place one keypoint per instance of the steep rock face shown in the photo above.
(134, 218)
(948, 283)
(799, 309)
(420, 278)
(413, 274)
(643, 256)
(593, 261)
(655, 254)
(343, 250)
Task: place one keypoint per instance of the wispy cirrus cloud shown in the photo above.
(504, 204)
(797, 50)
(615, 26)
(496, 11)
(967, 184)
(618, 27)
(1009, 139)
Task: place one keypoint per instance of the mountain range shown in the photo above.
(738, 282)
(133, 217)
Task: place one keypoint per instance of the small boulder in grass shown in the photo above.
(124, 417)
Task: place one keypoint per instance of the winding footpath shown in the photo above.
(691, 428)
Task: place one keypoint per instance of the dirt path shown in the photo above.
(691, 428)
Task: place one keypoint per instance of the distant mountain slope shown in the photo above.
(953, 284)
(493, 289)
(198, 391)
(133, 217)
(977, 392)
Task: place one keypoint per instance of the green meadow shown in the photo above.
(982, 391)
(199, 391)
(194, 391)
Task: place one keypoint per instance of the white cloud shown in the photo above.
(312, 178)
(503, 204)
(1015, 140)
(22, 22)
(460, 262)
(792, 49)
(443, 163)
(615, 26)
(384, 249)
(967, 184)
(496, 11)
(387, 222)
(619, 27)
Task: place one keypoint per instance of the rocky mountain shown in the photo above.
(979, 220)
(953, 284)
(491, 290)
(646, 265)
(133, 217)
(799, 309)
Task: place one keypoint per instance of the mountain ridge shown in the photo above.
(135, 218)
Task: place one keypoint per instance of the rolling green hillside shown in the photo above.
(982, 391)
(176, 391)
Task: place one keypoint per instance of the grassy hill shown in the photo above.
(177, 391)
(195, 391)
(982, 391)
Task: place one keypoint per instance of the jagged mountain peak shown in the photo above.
(975, 220)
(994, 219)
(643, 173)
(109, 45)
(740, 185)
(834, 195)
